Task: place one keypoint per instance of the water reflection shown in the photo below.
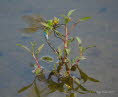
(43, 86)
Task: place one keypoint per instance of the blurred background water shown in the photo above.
(101, 30)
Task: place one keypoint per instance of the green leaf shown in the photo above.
(39, 49)
(58, 33)
(33, 45)
(60, 51)
(81, 92)
(24, 88)
(84, 19)
(50, 22)
(91, 46)
(47, 59)
(81, 58)
(72, 95)
(26, 48)
(67, 51)
(55, 67)
(37, 71)
(83, 75)
(70, 12)
(46, 25)
(74, 60)
(93, 79)
(70, 41)
(83, 88)
(82, 49)
(37, 91)
(76, 80)
(79, 40)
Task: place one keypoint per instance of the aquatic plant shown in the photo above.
(65, 66)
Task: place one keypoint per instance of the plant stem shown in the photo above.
(36, 60)
(65, 47)
(73, 26)
(66, 38)
(51, 46)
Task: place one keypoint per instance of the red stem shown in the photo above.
(36, 60)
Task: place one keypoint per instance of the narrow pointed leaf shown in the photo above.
(70, 12)
(91, 46)
(24, 88)
(81, 92)
(93, 79)
(46, 25)
(82, 58)
(84, 19)
(26, 48)
(37, 91)
(39, 49)
(83, 75)
(76, 80)
(83, 88)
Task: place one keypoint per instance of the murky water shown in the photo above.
(101, 30)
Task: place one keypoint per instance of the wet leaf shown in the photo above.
(26, 48)
(47, 59)
(37, 91)
(83, 88)
(39, 49)
(81, 92)
(24, 88)
(93, 79)
(70, 12)
(83, 75)
(84, 18)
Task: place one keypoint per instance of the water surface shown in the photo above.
(101, 30)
